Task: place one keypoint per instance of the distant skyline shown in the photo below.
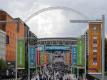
(55, 23)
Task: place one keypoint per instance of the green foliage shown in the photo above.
(3, 64)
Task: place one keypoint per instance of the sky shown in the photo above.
(56, 23)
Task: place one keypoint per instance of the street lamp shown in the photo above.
(103, 43)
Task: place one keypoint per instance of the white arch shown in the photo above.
(53, 8)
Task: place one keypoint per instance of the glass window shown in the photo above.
(94, 28)
(95, 41)
(95, 48)
(7, 39)
(95, 37)
(94, 45)
(95, 54)
(95, 61)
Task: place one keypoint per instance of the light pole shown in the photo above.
(17, 25)
(103, 46)
(103, 43)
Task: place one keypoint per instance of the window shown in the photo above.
(94, 28)
(95, 61)
(94, 58)
(17, 27)
(95, 37)
(60, 42)
(7, 39)
(54, 42)
(94, 48)
(95, 54)
(94, 45)
(95, 41)
(95, 34)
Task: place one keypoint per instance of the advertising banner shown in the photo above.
(41, 57)
(80, 54)
(45, 58)
(74, 55)
(41, 54)
(57, 47)
(70, 57)
(38, 57)
(20, 54)
(67, 58)
(95, 48)
(32, 53)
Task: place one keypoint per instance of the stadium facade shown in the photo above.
(58, 49)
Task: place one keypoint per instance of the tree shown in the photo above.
(3, 64)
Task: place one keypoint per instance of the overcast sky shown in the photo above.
(55, 23)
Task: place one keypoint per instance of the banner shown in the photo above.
(41, 54)
(45, 58)
(41, 57)
(74, 55)
(57, 47)
(80, 54)
(95, 48)
(70, 57)
(38, 57)
(67, 58)
(32, 53)
(20, 54)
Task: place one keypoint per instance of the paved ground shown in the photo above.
(105, 78)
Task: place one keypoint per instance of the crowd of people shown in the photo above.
(39, 76)
(54, 72)
(56, 76)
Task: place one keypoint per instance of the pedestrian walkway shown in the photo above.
(12, 79)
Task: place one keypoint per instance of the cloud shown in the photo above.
(48, 24)
(57, 22)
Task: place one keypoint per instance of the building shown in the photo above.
(32, 39)
(12, 32)
(2, 45)
(20, 28)
(10, 29)
(95, 48)
(58, 49)
(26, 34)
(57, 41)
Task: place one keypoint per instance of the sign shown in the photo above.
(41, 57)
(45, 58)
(57, 47)
(80, 52)
(41, 54)
(74, 55)
(38, 56)
(70, 57)
(21, 54)
(32, 52)
(67, 58)
(95, 48)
